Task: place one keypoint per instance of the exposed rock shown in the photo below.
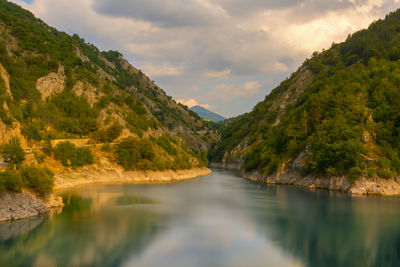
(299, 162)
(54, 202)
(6, 78)
(51, 84)
(108, 63)
(81, 56)
(105, 75)
(85, 89)
(15, 206)
(362, 186)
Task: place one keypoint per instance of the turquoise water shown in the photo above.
(216, 220)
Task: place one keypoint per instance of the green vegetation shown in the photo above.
(135, 154)
(39, 179)
(155, 154)
(17, 176)
(167, 143)
(70, 155)
(335, 99)
(11, 180)
(103, 97)
(13, 152)
(109, 134)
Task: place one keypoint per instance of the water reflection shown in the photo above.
(333, 229)
(12, 229)
(218, 220)
(88, 232)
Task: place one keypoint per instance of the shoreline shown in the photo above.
(362, 186)
(87, 176)
(16, 206)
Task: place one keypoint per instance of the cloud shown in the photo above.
(176, 13)
(224, 74)
(227, 53)
(192, 102)
(164, 69)
(189, 102)
(224, 92)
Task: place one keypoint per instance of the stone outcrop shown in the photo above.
(87, 90)
(15, 206)
(363, 186)
(51, 84)
(6, 79)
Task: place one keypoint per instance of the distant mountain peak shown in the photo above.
(206, 114)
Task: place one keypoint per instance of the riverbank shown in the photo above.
(87, 175)
(15, 206)
(362, 186)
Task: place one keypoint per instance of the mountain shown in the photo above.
(337, 116)
(62, 96)
(207, 115)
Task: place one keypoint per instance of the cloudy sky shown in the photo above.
(225, 55)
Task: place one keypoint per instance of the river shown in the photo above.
(215, 220)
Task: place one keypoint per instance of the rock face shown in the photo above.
(363, 186)
(15, 206)
(53, 83)
(6, 78)
(87, 90)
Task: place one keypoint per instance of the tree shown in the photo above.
(13, 152)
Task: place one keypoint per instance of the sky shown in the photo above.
(224, 55)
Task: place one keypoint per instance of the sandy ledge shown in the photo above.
(89, 175)
(389, 187)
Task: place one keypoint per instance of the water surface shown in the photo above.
(216, 220)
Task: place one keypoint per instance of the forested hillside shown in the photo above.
(339, 114)
(57, 87)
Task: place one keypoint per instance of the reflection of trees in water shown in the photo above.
(332, 229)
(106, 238)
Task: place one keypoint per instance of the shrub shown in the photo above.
(11, 180)
(202, 157)
(48, 148)
(371, 172)
(39, 179)
(83, 156)
(32, 132)
(13, 152)
(384, 174)
(354, 174)
(181, 163)
(165, 141)
(109, 134)
(69, 155)
(106, 147)
(39, 157)
(133, 153)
